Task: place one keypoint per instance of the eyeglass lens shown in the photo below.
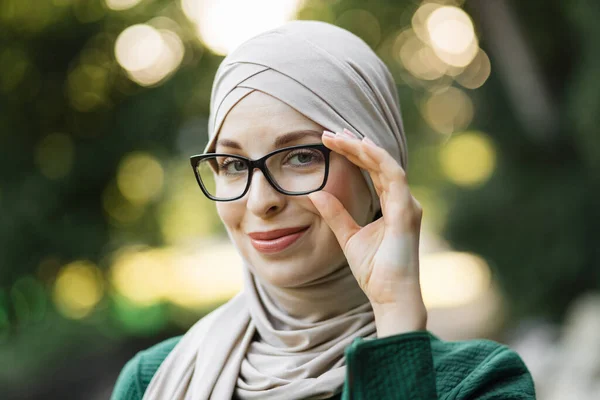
(296, 171)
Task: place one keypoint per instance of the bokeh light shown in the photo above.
(140, 178)
(87, 87)
(449, 111)
(452, 35)
(419, 20)
(78, 289)
(190, 279)
(120, 5)
(417, 57)
(185, 213)
(147, 54)
(138, 47)
(142, 276)
(139, 320)
(468, 159)
(452, 279)
(224, 24)
(441, 45)
(121, 212)
(211, 275)
(477, 72)
(54, 155)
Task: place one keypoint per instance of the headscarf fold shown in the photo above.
(288, 343)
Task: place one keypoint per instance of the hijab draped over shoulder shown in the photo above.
(254, 347)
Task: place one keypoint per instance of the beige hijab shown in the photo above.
(288, 343)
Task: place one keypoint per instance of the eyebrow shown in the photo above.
(281, 141)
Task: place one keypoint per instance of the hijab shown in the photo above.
(271, 342)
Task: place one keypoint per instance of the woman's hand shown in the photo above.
(383, 255)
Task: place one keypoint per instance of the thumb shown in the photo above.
(335, 215)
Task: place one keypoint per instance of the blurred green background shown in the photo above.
(108, 246)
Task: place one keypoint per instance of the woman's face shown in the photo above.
(250, 129)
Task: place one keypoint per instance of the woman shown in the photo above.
(329, 235)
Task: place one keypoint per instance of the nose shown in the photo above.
(263, 200)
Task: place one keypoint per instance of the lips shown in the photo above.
(276, 240)
(277, 233)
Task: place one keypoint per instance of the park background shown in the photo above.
(108, 246)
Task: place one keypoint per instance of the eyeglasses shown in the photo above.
(293, 171)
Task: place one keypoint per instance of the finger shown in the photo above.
(373, 169)
(360, 158)
(363, 141)
(352, 147)
(391, 171)
(402, 206)
(335, 215)
(396, 199)
(391, 181)
(360, 162)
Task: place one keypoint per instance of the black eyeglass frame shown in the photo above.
(261, 165)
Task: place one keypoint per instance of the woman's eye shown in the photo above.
(302, 158)
(232, 167)
(239, 166)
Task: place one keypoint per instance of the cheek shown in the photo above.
(230, 213)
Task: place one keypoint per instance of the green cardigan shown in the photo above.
(415, 365)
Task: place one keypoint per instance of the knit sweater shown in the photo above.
(415, 366)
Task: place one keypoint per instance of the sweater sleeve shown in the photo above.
(417, 365)
(128, 383)
(138, 372)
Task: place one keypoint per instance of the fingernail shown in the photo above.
(349, 133)
(369, 141)
(328, 134)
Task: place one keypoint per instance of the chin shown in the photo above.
(285, 272)
(298, 268)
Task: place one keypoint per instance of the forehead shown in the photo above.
(258, 119)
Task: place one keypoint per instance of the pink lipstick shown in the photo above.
(276, 240)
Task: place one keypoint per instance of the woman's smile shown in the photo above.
(276, 240)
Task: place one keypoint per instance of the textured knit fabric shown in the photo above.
(415, 366)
